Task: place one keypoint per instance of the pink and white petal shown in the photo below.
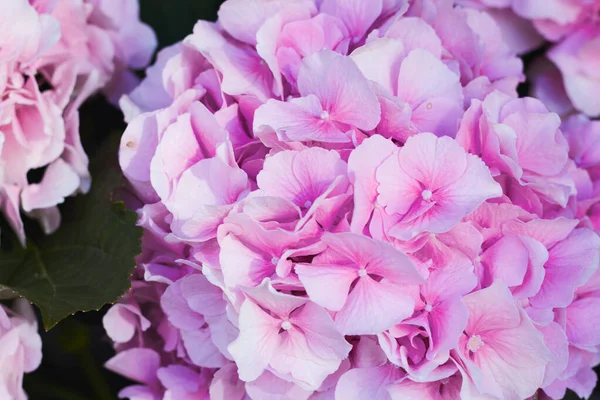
(241, 265)
(357, 15)
(424, 77)
(491, 309)
(341, 88)
(438, 115)
(257, 343)
(279, 304)
(201, 349)
(376, 257)
(389, 54)
(268, 39)
(122, 320)
(366, 383)
(59, 181)
(410, 390)
(416, 33)
(322, 335)
(474, 187)
(300, 176)
(397, 190)
(296, 358)
(556, 341)
(297, 120)
(226, 384)
(434, 162)
(572, 261)
(137, 364)
(362, 166)
(202, 296)
(270, 387)
(507, 260)
(357, 316)
(177, 309)
(547, 232)
(326, 285)
(242, 19)
(582, 325)
(447, 321)
(9, 201)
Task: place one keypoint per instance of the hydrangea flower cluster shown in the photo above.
(20, 348)
(346, 199)
(53, 56)
(571, 80)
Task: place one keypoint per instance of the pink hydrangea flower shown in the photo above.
(348, 200)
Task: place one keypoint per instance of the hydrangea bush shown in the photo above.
(347, 199)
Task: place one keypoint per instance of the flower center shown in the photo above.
(286, 325)
(426, 194)
(307, 204)
(428, 307)
(275, 260)
(362, 272)
(325, 115)
(475, 343)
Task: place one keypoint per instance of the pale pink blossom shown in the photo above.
(502, 353)
(291, 335)
(430, 185)
(355, 275)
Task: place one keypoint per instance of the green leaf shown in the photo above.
(88, 261)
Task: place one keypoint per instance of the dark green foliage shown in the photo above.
(87, 262)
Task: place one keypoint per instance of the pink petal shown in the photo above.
(341, 88)
(257, 343)
(226, 384)
(415, 33)
(202, 296)
(556, 341)
(137, 364)
(447, 321)
(178, 310)
(362, 165)
(357, 316)
(122, 320)
(201, 349)
(253, 14)
(357, 15)
(366, 383)
(491, 309)
(298, 120)
(424, 77)
(301, 176)
(277, 303)
(296, 358)
(202, 197)
(389, 54)
(571, 262)
(59, 181)
(582, 322)
(321, 334)
(326, 285)
(269, 387)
